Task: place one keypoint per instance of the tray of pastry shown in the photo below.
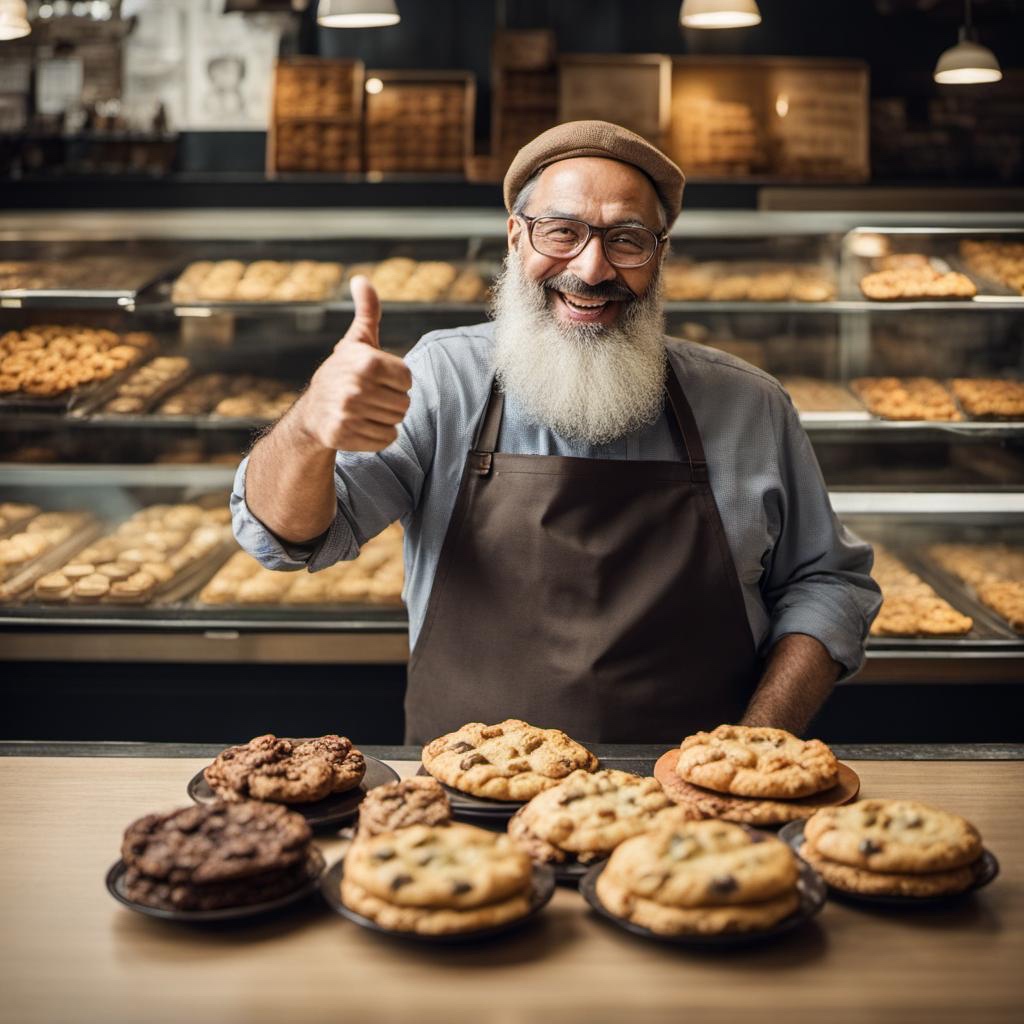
(926, 399)
(426, 282)
(824, 400)
(61, 367)
(15, 515)
(919, 604)
(228, 396)
(373, 581)
(154, 557)
(39, 545)
(997, 265)
(142, 388)
(77, 282)
(237, 284)
(738, 281)
(990, 572)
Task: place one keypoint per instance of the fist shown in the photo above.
(359, 395)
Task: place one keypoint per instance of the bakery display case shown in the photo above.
(140, 357)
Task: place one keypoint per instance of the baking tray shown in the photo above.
(87, 531)
(79, 400)
(136, 274)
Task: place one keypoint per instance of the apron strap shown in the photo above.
(486, 442)
(687, 427)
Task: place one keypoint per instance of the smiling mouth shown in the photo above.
(583, 309)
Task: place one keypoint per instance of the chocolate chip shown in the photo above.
(385, 854)
(870, 819)
(723, 884)
(461, 747)
(492, 732)
(532, 743)
(473, 759)
(914, 821)
(461, 888)
(869, 846)
(399, 880)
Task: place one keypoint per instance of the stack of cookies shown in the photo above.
(437, 879)
(750, 774)
(416, 801)
(893, 848)
(220, 855)
(512, 760)
(286, 771)
(584, 818)
(701, 877)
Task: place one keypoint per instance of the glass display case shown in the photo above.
(141, 355)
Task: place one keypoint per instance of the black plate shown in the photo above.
(988, 868)
(571, 873)
(314, 869)
(543, 888)
(332, 810)
(467, 806)
(812, 899)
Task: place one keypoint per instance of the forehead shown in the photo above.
(597, 190)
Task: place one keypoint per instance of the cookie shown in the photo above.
(757, 761)
(166, 895)
(704, 864)
(592, 812)
(432, 920)
(286, 771)
(215, 843)
(889, 883)
(415, 801)
(508, 761)
(893, 835)
(703, 803)
(712, 920)
(441, 866)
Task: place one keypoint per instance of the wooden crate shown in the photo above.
(630, 89)
(316, 116)
(787, 119)
(420, 122)
(524, 91)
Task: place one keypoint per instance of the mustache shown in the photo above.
(608, 291)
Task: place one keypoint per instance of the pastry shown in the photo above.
(757, 762)
(893, 835)
(286, 771)
(508, 761)
(442, 867)
(910, 283)
(587, 815)
(910, 607)
(889, 883)
(987, 398)
(907, 398)
(203, 857)
(415, 801)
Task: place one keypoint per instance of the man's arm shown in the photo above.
(354, 403)
(797, 679)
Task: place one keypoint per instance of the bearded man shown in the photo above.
(608, 531)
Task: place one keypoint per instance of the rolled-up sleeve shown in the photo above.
(374, 489)
(818, 578)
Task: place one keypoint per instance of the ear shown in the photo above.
(515, 229)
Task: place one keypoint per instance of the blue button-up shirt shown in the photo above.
(800, 569)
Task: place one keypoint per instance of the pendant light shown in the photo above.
(719, 14)
(967, 63)
(357, 13)
(14, 19)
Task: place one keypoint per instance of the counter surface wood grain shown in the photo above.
(68, 952)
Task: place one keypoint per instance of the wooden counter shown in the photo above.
(70, 953)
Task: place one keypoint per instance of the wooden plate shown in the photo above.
(332, 810)
(750, 810)
(542, 888)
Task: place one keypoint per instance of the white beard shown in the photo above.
(591, 382)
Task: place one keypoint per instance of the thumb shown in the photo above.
(366, 323)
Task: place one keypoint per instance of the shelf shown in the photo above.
(169, 474)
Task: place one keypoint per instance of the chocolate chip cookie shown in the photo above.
(452, 866)
(286, 771)
(587, 815)
(213, 845)
(757, 762)
(893, 835)
(415, 801)
(508, 761)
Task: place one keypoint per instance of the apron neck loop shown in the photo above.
(486, 442)
(687, 426)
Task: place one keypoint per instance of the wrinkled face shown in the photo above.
(587, 289)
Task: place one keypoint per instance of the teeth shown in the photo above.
(584, 305)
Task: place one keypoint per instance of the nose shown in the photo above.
(591, 265)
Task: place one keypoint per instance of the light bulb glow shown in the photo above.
(782, 104)
(967, 63)
(358, 20)
(713, 14)
(374, 86)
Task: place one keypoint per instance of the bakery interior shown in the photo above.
(188, 186)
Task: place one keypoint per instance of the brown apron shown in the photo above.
(597, 596)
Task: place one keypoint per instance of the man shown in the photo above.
(608, 531)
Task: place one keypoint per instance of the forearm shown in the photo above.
(796, 681)
(289, 482)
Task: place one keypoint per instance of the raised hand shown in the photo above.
(359, 394)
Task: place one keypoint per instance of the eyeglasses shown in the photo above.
(625, 245)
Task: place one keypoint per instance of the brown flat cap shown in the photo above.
(597, 138)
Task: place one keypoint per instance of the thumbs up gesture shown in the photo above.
(359, 394)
